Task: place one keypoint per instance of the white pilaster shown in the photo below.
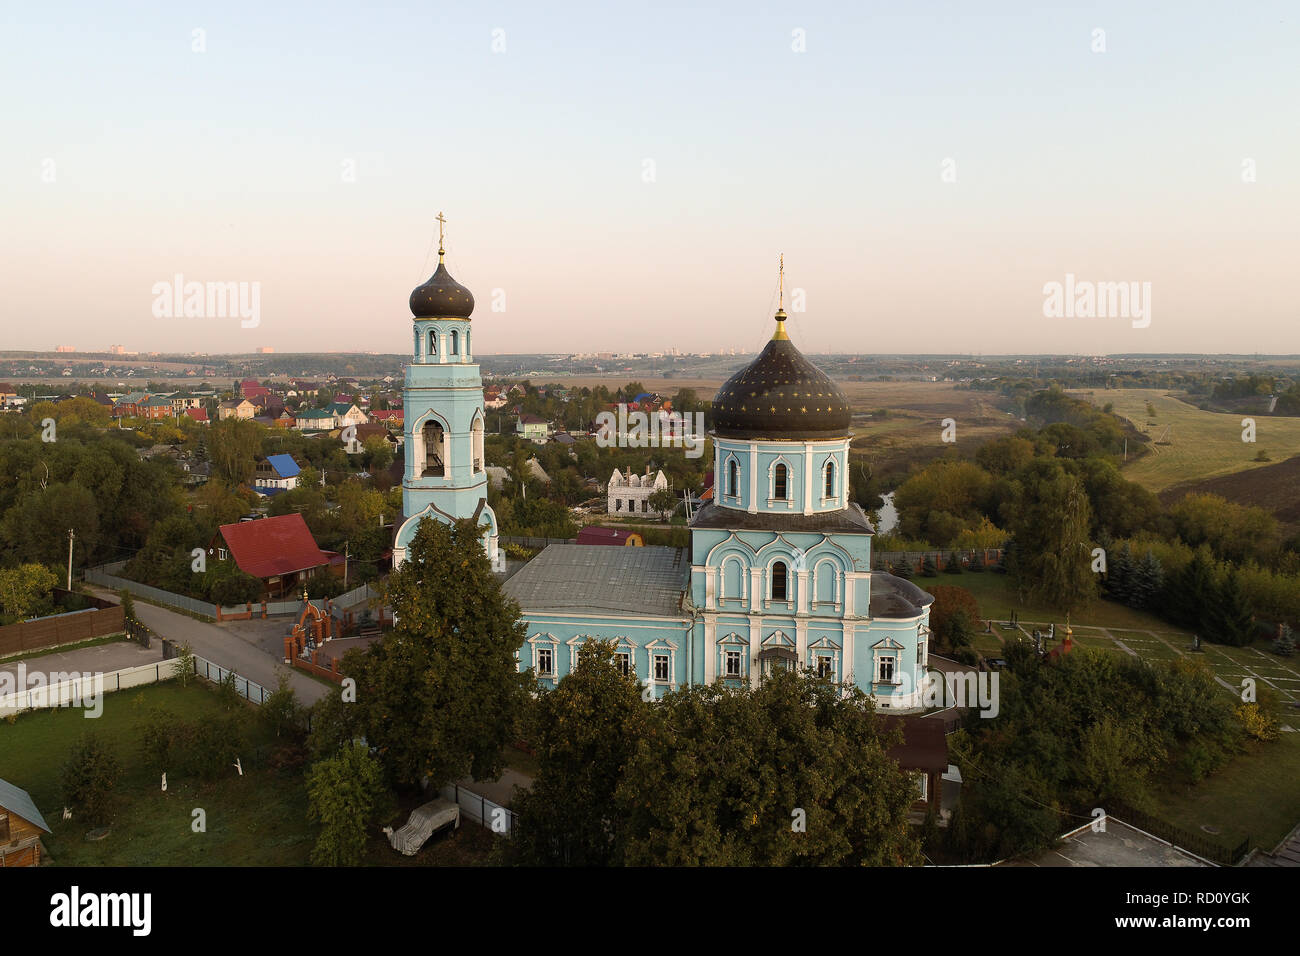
(753, 478)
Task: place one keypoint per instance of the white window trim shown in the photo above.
(772, 500)
(830, 463)
(726, 477)
(548, 642)
(836, 599)
(665, 648)
(733, 642)
(723, 596)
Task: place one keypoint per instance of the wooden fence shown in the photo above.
(59, 629)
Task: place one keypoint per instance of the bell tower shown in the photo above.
(442, 399)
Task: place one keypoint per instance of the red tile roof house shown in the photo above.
(279, 551)
(197, 414)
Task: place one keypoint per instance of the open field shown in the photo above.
(909, 434)
(1275, 487)
(1201, 445)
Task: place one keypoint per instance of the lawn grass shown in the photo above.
(997, 600)
(1254, 796)
(257, 819)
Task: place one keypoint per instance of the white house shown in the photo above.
(630, 494)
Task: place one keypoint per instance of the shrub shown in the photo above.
(214, 745)
(88, 778)
(185, 674)
(161, 738)
(281, 711)
(928, 569)
(952, 565)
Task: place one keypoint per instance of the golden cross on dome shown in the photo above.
(442, 221)
(779, 334)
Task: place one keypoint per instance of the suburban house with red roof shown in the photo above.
(279, 551)
(199, 415)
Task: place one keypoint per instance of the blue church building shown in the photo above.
(778, 572)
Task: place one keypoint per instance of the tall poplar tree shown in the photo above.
(1050, 522)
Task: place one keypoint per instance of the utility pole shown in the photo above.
(346, 545)
(71, 534)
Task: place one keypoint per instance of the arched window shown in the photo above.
(434, 467)
(455, 342)
(780, 580)
(733, 472)
(779, 483)
(476, 432)
(433, 341)
(830, 479)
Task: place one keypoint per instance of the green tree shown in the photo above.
(793, 772)
(343, 793)
(662, 501)
(1050, 522)
(235, 445)
(88, 778)
(26, 589)
(440, 696)
(586, 732)
(1231, 619)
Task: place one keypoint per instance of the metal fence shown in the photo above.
(535, 542)
(1203, 847)
(249, 690)
(106, 576)
(500, 820)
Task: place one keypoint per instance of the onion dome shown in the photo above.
(781, 396)
(442, 297)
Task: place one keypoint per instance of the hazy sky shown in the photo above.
(130, 157)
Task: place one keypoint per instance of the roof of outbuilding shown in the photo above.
(575, 579)
(17, 800)
(924, 745)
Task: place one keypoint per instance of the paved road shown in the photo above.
(228, 647)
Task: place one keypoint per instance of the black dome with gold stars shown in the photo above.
(781, 395)
(442, 297)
